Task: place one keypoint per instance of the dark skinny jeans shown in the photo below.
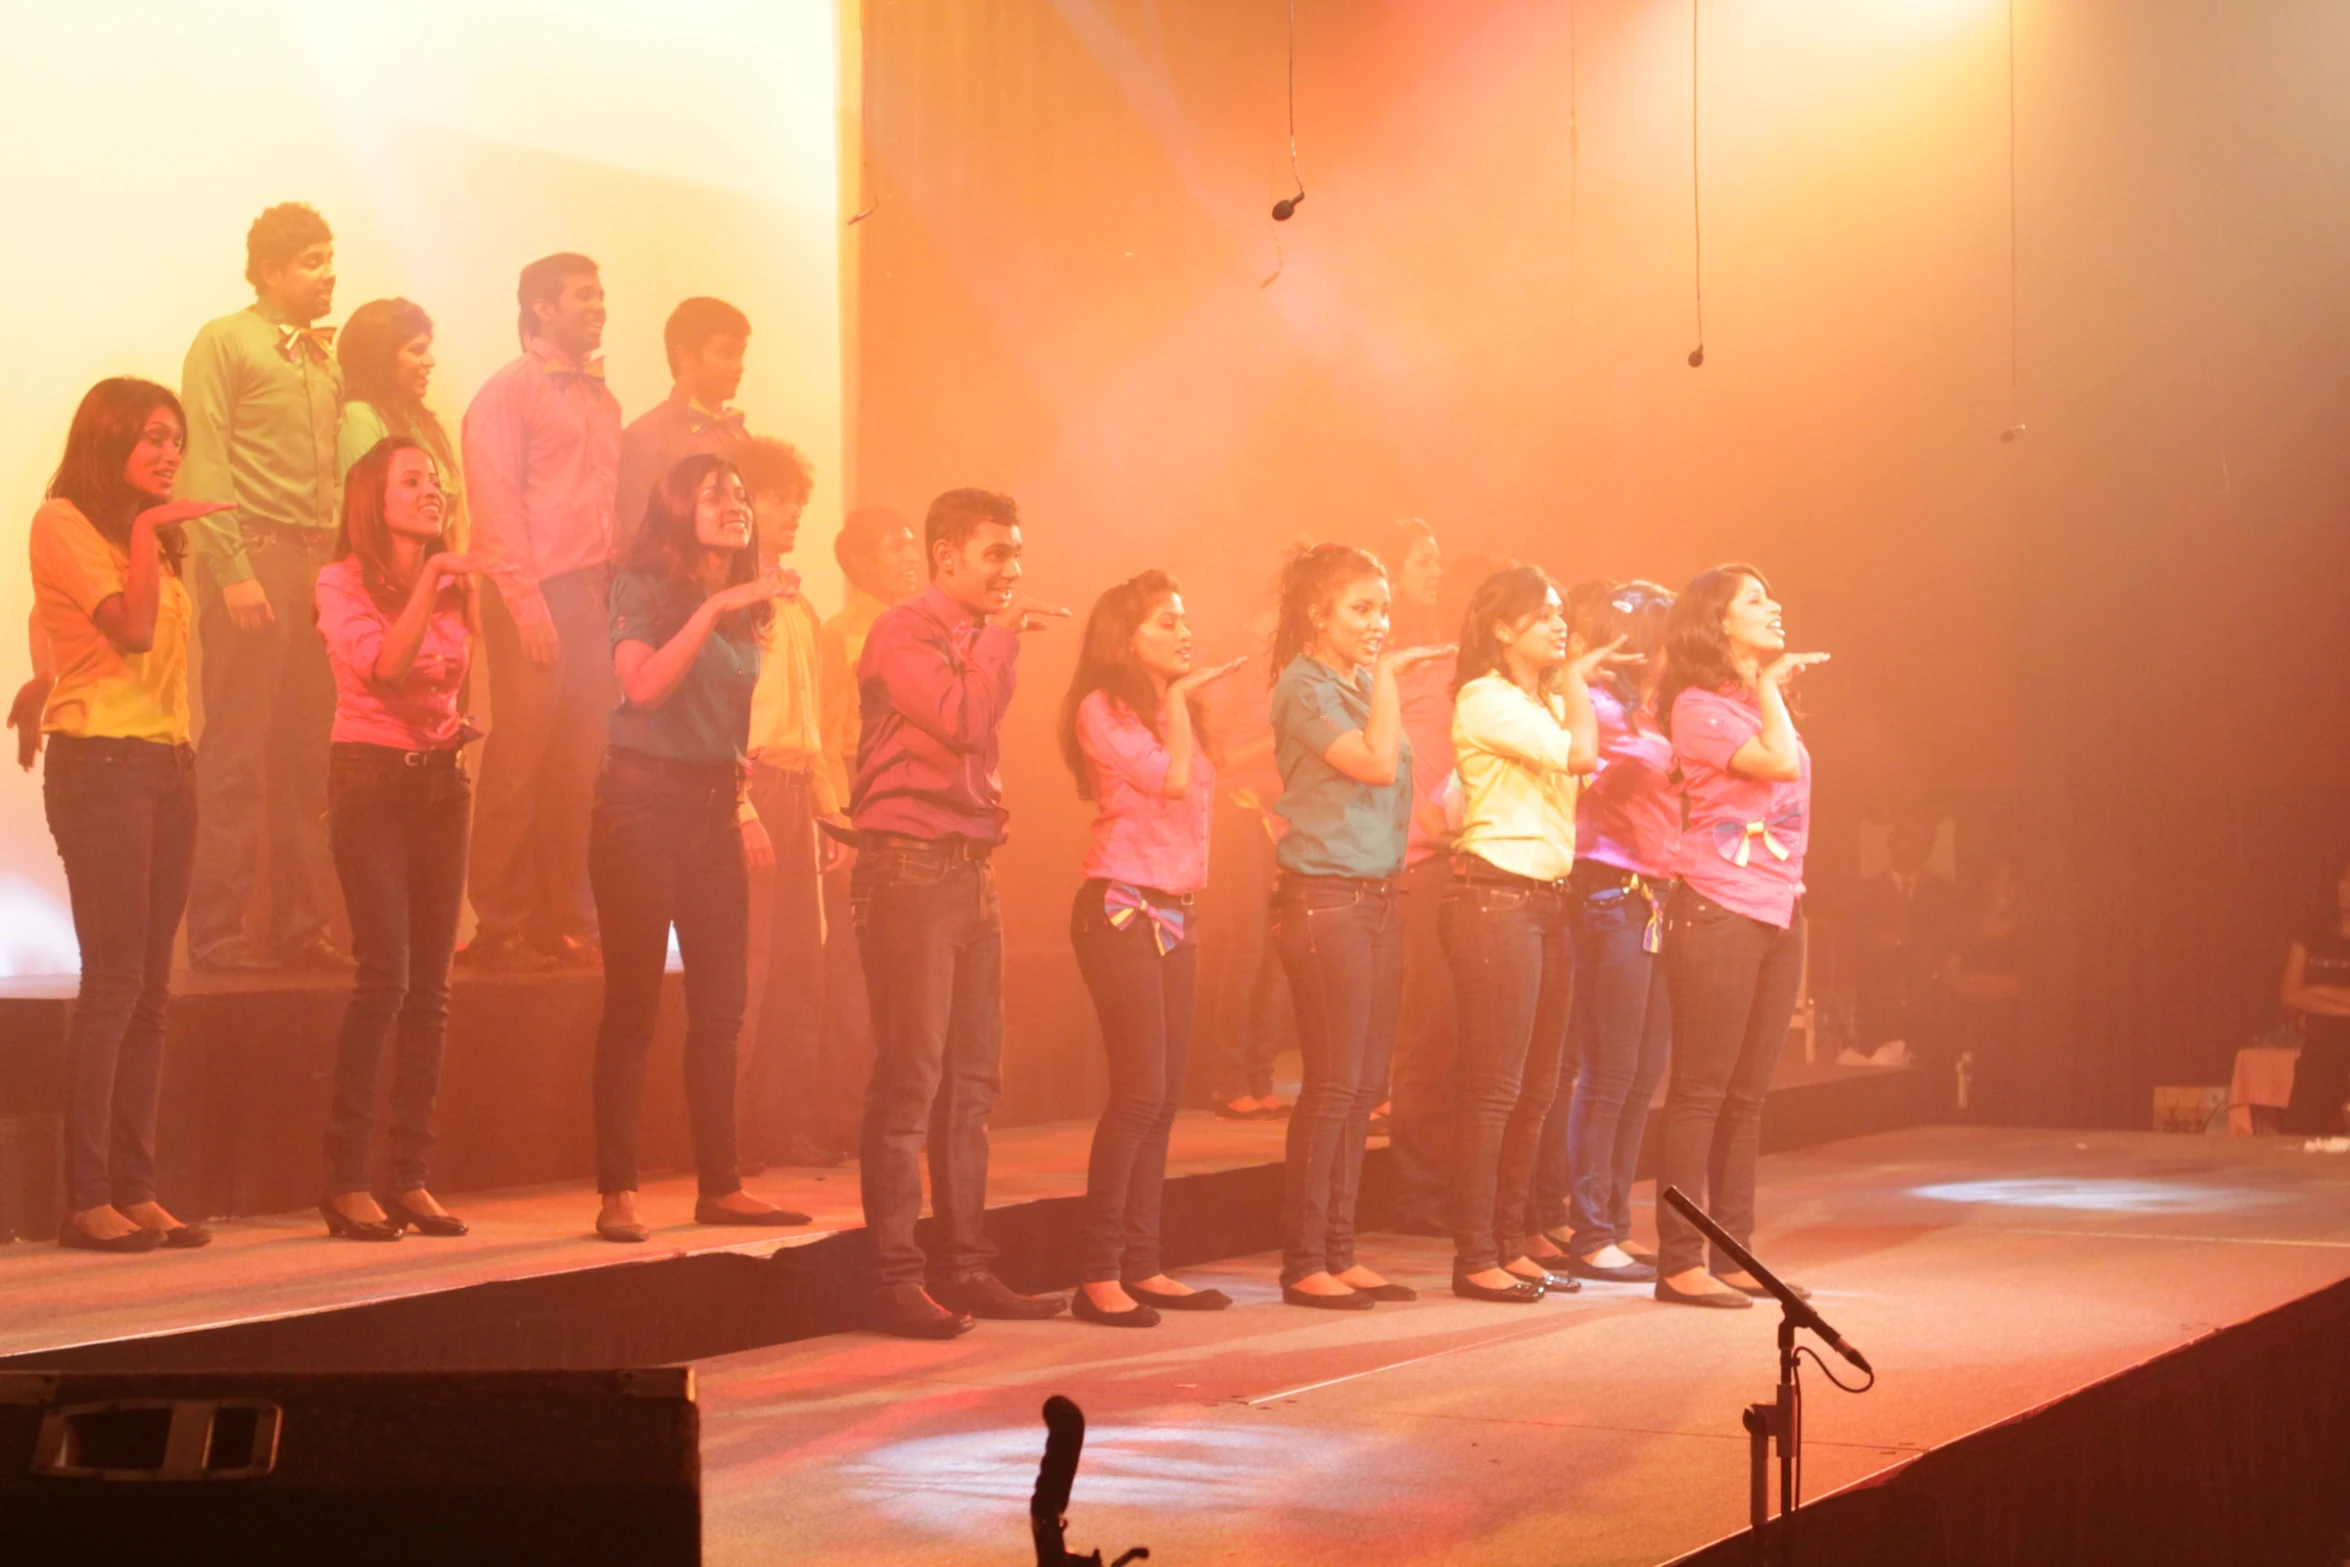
(665, 850)
(1146, 1003)
(1734, 981)
(931, 933)
(1513, 980)
(398, 829)
(1617, 1046)
(1341, 943)
(123, 813)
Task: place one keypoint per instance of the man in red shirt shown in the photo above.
(935, 678)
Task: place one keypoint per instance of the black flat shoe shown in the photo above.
(1759, 1293)
(1720, 1300)
(73, 1237)
(345, 1228)
(446, 1226)
(1081, 1307)
(1629, 1273)
(1389, 1291)
(1523, 1293)
(185, 1237)
(1552, 1283)
(1197, 1300)
(1352, 1300)
(907, 1311)
(709, 1210)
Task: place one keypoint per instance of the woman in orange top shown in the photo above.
(110, 617)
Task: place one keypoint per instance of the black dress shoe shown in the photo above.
(1720, 1300)
(447, 1226)
(237, 956)
(317, 953)
(185, 1237)
(1523, 1293)
(708, 1210)
(1757, 1292)
(504, 954)
(907, 1311)
(621, 1232)
(1197, 1300)
(1352, 1300)
(1629, 1273)
(1081, 1307)
(1388, 1291)
(345, 1228)
(75, 1238)
(569, 951)
(985, 1295)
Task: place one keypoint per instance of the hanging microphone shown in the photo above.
(2013, 433)
(1285, 208)
(1697, 357)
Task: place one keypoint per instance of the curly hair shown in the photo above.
(279, 235)
(1697, 650)
(1311, 581)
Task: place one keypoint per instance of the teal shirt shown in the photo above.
(708, 717)
(262, 425)
(1337, 827)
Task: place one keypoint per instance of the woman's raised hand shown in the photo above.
(171, 513)
(1397, 660)
(1186, 684)
(1584, 665)
(1787, 666)
(773, 583)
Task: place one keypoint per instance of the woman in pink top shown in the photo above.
(1131, 733)
(395, 607)
(1734, 924)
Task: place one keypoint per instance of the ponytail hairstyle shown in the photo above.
(1106, 663)
(1505, 598)
(667, 547)
(107, 427)
(1310, 584)
(364, 535)
(1636, 611)
(1697, 650)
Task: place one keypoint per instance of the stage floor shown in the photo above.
(1985, 1272)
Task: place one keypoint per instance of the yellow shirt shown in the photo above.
(838, 647)
(1512, 751)
(102, 691)
(786, 723)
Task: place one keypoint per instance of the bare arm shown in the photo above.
(1369, 755)
(1775, 755)
(649, 676)
(1182, 744)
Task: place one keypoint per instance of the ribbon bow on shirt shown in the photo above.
(1736, 840)
(702, 421)
(1123, 903)
(293, 342)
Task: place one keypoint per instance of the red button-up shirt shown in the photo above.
(933, 684)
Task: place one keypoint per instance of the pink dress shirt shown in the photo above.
(1425, 694)
(1140, 836)
(1629, 815)
(1732, 819)
(542, 469)
(422, 714)
(932, 687)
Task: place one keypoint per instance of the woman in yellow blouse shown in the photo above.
(111, 617)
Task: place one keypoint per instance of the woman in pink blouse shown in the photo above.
(395, 608)
(1132, 735)
(1734, 921)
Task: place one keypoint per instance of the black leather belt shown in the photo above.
(953, 847)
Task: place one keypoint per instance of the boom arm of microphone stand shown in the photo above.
(1799, 1311)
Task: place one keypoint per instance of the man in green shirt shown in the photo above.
(263, 398)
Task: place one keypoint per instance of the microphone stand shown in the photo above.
(1049, 1503)
(1781, 1420)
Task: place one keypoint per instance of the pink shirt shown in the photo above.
(1629, 814)
(1732, 819)
(422, 714)
(1140, 836)
(932, 686)
(542, 470)
(1426, 696)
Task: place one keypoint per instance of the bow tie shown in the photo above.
(293, 342)
(701, 421)
(1123, 903)
(1736, 840)
(593, 370)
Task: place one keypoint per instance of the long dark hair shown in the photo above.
(365, 535)
(1509, 595)
(1637, 612)
(1697, 651)
(1106, 663)
(668, 548)
(368, 348)
(1310, 583)
(107, 426)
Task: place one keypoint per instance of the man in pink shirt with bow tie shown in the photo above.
(542, 459)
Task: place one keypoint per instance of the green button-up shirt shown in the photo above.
(261, 435)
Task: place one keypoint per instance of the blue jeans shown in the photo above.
(1513, 982)
(1146, 1002)
(665, 850)
(1341, 943)
(1617, 1046)
(399, 837)
(931, 934)
(1734, 980)
(123, 813)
